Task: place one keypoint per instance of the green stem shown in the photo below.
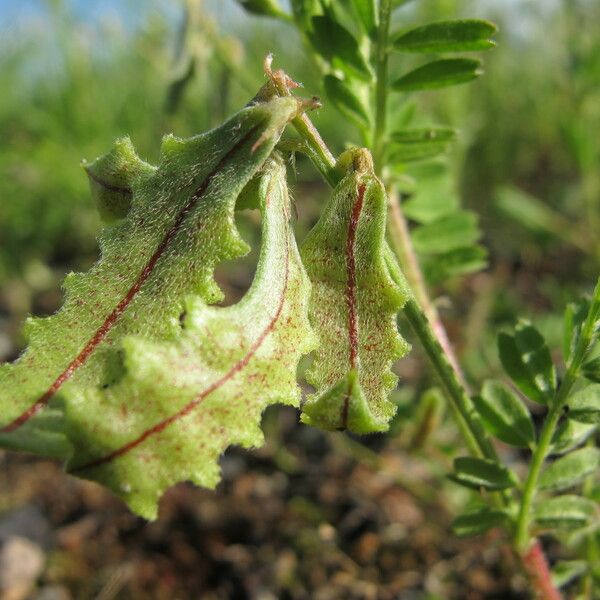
(318, 151)
(467, 419)
(522, 539)
(381, 91)
(402, 245)
(315, 146)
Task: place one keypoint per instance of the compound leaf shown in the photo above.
(180, 404)
(173, 224)
(353, 306)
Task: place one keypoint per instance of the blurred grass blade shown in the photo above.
(439, 74)
(448, 36)
(538, 216)
(428, 417)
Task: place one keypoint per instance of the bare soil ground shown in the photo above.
(304, 517)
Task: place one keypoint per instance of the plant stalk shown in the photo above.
(536, 565)
(398, 227)
(381, 91)
(522, 536)
(467, 419)
(404, 250)
(315, 146)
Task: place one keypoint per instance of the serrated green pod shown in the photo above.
(353, 306)
(180, 223)
(180, 404)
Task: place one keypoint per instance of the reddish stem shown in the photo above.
(537, 569)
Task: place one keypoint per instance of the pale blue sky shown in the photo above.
(16, 13)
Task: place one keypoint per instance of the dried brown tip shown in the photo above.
(282, 82)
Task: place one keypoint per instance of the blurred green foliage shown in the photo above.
(70, 88)
(527, 130)
(537, 117)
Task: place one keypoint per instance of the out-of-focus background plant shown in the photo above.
(313, 514)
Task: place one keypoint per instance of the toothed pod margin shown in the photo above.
(180, 404)
(177, 225)
(354, 304)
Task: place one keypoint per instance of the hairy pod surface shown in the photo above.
(180, 404)
(353, 306)
(170, 226)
